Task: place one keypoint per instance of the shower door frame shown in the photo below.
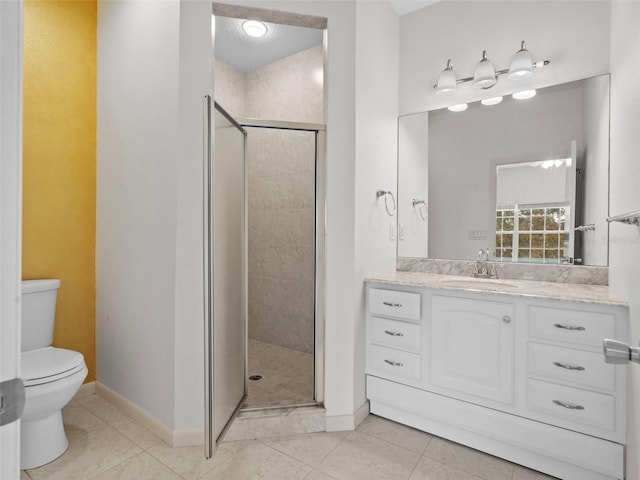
(320, 238)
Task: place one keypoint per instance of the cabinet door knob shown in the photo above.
(570, 406)
(506, 319)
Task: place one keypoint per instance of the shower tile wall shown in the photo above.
(281, 167)
(290, 89)
(281, 176)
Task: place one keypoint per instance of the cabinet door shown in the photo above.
(472, 344)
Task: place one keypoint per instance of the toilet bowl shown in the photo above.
(51, 376)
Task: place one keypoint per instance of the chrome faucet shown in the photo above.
(482, 269)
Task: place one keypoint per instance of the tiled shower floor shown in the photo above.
(287, 376)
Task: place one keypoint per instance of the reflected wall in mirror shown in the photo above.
(517, 177)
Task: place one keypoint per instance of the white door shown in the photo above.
(472, 347)
(10, 220)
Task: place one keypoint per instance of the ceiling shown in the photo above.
(245, 53)
(405, 6)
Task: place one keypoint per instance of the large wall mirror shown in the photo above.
(528, 179)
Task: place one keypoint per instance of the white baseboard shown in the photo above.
(175, 438)
(193, 437)
(85, 390)
(341, 423)
(361, 413)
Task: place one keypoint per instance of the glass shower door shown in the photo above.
(224, 273)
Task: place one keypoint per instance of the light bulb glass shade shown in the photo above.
(524, 94)
(458, 108)
(521, 64)
(446, 80)
(485, 75)
(491, 101)
(254, 28)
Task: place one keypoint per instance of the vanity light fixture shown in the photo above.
(491, 101)
(458, 108)
(521, 64)
(485, 75)
(524, 94)
(446, 80)
(253, 28)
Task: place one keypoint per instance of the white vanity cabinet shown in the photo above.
(519, 376)
(471, 347)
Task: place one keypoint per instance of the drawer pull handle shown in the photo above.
(569, 367)
(392, 363)
(569, 327)
(390, 304)
(570, 406)
(394, 334)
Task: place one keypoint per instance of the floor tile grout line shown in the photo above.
(314, 467)
(482, 454)
(228, 460)
(394, 444)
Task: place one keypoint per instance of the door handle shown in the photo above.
(11, 400)
(619, 353)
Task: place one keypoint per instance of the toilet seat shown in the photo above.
(49, 364)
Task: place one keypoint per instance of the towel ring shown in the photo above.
(385, 194)
(420, 203)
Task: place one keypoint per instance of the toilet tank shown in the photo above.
(38, 312)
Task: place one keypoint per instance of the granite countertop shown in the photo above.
(575, 292)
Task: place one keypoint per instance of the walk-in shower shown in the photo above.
(270, 92)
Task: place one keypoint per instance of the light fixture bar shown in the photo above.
(540, 64)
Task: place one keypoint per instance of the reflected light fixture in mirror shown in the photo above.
(254, 28)
(458, 108)
(491, 101)
(524, 94)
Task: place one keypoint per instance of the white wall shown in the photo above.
(574, 36)
(196, 80)
(624, 270)
(377, 35)
(596, 202)
(137, 201)
(153, 72)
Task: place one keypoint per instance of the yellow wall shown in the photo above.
(59, 199)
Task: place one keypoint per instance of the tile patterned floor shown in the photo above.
(287, 375)
(105, 444)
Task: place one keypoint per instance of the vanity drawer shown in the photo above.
(394, 362)
(394, 304)
(574, 405)
(395, 333)
(570, 365)
(572, 326)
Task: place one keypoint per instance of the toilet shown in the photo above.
(51, 376)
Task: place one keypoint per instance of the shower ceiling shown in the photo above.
(245, 53)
